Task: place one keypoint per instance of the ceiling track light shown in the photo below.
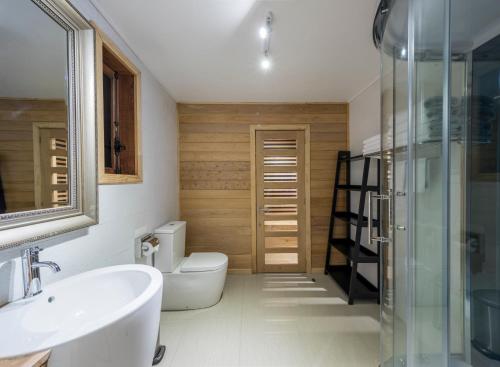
(265, 64)
(265, 30)
(265, 35)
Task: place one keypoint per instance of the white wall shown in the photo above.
(364, 116)
(125, 211)
(364, 122)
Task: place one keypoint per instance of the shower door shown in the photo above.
(394, 198)
(440, 86)
(413, 314)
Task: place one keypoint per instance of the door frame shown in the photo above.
(253, 193)
(37, 126)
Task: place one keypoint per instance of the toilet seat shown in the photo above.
(204, 261)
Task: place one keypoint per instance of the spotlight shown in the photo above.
(266, 64)
(264, 32)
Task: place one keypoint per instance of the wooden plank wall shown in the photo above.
(16, 146)
(214, 144)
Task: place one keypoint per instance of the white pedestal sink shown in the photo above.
(102, 318)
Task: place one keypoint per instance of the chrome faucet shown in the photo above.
(31, 271)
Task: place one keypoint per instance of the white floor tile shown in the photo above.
(274, 320)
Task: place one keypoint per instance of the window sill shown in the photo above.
(116, 179)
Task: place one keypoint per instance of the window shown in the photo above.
(118, 104)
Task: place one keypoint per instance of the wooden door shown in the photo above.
(51, 168)
(281, 201)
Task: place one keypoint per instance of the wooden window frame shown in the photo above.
(253, 188)
(107, 178)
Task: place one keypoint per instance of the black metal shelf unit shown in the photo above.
(347, 276)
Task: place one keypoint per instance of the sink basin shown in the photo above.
(105, 317)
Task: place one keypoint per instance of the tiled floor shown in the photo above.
(271, 321)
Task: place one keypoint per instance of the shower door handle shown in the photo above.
(371, 239)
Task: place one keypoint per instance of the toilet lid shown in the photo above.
(204, 261)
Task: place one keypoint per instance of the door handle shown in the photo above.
(371, 239)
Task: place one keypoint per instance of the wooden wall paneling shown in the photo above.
(253, 199)
(17, 166)
(215, 152)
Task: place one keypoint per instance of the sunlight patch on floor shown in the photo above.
(310, 301)
(296, 289)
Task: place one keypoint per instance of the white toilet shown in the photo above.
(189, 282)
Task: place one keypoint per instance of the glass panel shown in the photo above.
(280, 161)
(280, 193)
(429, 251)
(280, 177)
(387, 266)
(456, 215)
(281, 242)
(475, 161)
(280, 144)
(394, 137)
(284, 209)
(280, 225)
(281, 258)
(107, 84)
(400, 207)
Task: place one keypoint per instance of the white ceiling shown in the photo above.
(209, 50)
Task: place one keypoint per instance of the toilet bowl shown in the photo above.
(192, 282)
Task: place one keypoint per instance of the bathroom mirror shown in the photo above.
(47, 121)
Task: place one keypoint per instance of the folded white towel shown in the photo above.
(372, 139)
(368, 141)
(374, 152)
(371, 150)
(371, 146)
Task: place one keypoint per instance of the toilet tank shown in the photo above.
(172, 238)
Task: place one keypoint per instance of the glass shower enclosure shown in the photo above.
(440, 197)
